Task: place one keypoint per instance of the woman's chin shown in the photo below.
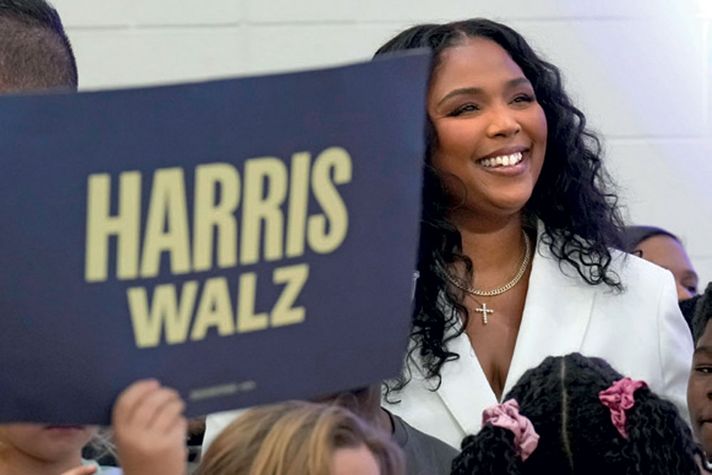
(504, 206)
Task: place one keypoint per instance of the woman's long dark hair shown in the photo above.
(576, 434)
(573, 197)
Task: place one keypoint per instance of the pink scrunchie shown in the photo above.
(507, 415)
(619, 398)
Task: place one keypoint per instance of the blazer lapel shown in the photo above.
(556, 314)
(464, 388)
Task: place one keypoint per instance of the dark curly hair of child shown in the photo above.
(576, 433)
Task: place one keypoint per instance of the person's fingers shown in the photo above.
(151, 406)
(169, 415)
(129, 401)
(84, 470)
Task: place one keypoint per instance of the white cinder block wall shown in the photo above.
(640, 69)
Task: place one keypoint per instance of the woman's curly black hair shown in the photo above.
(576, 434)
(573, 198)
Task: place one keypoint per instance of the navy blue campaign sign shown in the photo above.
(244, 241)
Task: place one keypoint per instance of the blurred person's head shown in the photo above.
(35, 53)
(699, 389)
(663, 248)
(301, 438)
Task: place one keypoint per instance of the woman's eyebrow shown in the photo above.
(690, 274)
(703, 349)
(518, 82)
(471, 91)
(463, 91)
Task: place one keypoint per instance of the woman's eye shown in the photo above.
(464, 109)
(704, 369)
(523, 98)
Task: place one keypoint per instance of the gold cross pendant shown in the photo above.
(484, 311)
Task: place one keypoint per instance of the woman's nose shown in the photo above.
(502, 123)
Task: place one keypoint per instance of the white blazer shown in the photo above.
(640, 332)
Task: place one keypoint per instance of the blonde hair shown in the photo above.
(295, 438)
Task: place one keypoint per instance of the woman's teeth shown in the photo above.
(502, 161)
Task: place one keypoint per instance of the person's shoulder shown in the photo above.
(408, 436)
(632, 270)
(637, 273)
(424, 454)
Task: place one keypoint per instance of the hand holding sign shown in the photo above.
(150, 430)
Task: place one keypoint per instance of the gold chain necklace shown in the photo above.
(483, 309)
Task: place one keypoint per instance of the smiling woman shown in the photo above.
(491, 136)
(518, 230)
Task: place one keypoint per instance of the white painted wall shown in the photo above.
(640, 69)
